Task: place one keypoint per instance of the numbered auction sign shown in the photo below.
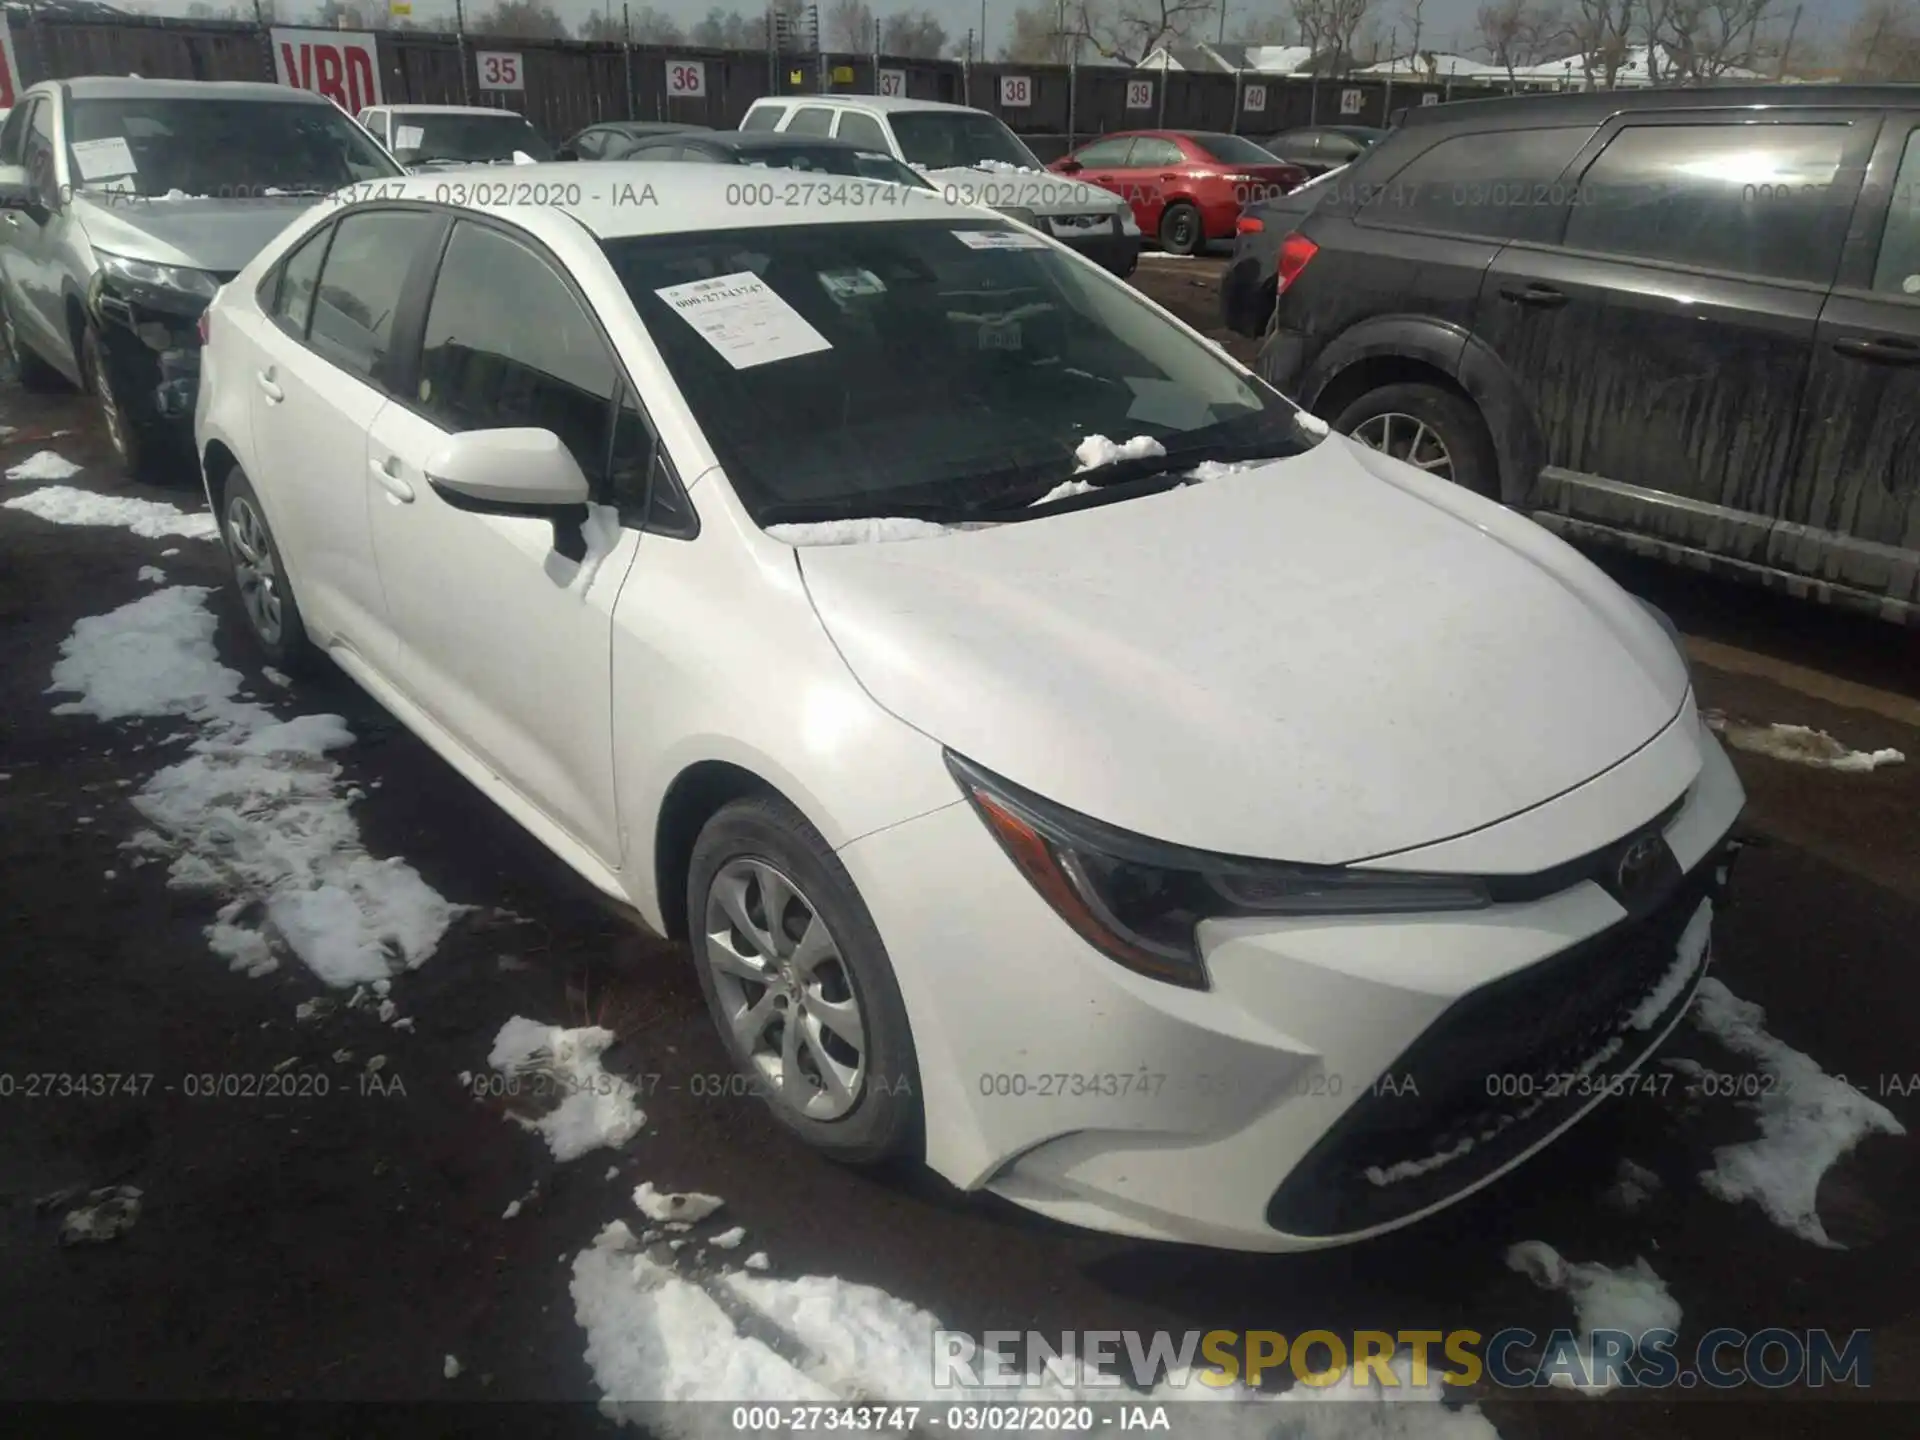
(686, 79)
(1350, 102)
(342, 65)
(1140, 94)
(1429, 99)
(1254, 100)
(893, 82)
(500, 70)
(1016, 91)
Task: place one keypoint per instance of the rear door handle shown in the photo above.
(1880, 352)
(272, 391)
(1543, 296)
(387, 473)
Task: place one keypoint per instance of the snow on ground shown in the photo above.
(656, 1335)
(868, 530)
(1808, 1120)
(153, 575)
(1688, 955)
(150, 519)
(43, 465)
(1633, 1186)
(254, 810)
(1634, 1300)
(1800, 745)
(687, 1208)
(595, 1109)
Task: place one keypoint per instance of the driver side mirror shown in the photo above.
(17, 190)
(523, 472)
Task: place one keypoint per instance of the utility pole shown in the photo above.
(1223, 24)
(460, 45)
(1786, 50)
(983, 31)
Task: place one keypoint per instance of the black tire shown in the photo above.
(1181, 230)
(1454, 419)
(288, 648)
(33, 373)
(884, 1122)
(130, 429)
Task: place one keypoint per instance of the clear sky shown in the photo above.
(1446, 24)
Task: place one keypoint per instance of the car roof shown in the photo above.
(643, 127)
(686, 199)
(449, 110)
(879, 104)
(775, 140)
(134, 87)
(1594, 106)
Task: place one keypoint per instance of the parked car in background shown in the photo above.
(971, 156)
(127, 204)
(612, 139)
(1320, 148)
(425, 137)
(1186, 187)
(1251, 280)
(1682, 321)
(804, 511)
(780, 152)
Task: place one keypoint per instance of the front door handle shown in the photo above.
(272, 391)
(387, 473)
(1885, 351)
(1544, 297)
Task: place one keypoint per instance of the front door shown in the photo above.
(504, 624)
(1664, 345)
(29, 257)
(1851, 517)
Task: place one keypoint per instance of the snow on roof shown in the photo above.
(1439, 63)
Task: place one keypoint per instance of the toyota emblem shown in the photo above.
(1637, 863)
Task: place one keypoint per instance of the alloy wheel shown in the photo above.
(1408, 438)
(785, 990)
(253, 568)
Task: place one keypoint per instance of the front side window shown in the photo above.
(156, 145)
(1753, 199)
(421, 139)
(1897, 272)
(763, 117)
(852, 369)
(1105, 154)
(1505, 184)
(299, 276)
(38, 156)
(13, 137)
(959, 139)
(1150, 153)
(863, 130)
(508, 345)
(359, 287)
(811, 120)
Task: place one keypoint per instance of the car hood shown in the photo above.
(219, 235)
(1322, 659)
(1040, 191)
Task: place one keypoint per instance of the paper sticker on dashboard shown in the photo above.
(103, 159)
(999, 240)
(744, 319)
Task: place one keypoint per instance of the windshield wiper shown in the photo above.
(1116, 473)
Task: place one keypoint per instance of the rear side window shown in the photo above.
(1148, 152)
(299, 274)
(507, 344)
(1106, 153)
(763, 117)
(811, 120)
(1898, 270)
(1503, 184)
(858, 129)
(359, 289)
(1754, 199)
(13, 137)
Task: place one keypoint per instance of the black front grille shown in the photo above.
(1492, 1075)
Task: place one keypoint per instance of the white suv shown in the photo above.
(974, 159)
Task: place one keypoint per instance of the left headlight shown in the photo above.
(1140, 902)
(170, 286)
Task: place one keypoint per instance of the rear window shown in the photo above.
(1504, 184)
(1233, 149)
(1747, 198)
(763, 117)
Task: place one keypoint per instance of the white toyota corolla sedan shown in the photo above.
(1062, 758)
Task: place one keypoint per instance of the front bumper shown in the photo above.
(1249, 1116)
(1246, 302)
(154, 355)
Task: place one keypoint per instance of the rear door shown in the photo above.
(1663, 346)
(1154, 164)
(1852, 513)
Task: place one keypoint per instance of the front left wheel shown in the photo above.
(259, 577)
(799, 983)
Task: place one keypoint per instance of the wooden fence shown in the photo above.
(572, 83)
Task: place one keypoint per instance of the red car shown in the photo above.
(1186, 187)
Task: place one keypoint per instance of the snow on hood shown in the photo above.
(1321, 659)
(194, 231)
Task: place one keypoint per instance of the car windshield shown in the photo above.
(835, 160)
(921, 366)
(155, 146)
(1234, 150)
(464, 139)
(958, 139)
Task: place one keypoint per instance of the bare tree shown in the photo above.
(522, 19)
(1704, 39)
(1329, 27)
(1602, 31)
(1130, 30)
(913, 34)
(1516, 34)
(729, 30)
(1041, 35)
(1263, 30)
(1883, 42)
(650, 27)
(847, 25)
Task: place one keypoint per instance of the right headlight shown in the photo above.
(1140, 901)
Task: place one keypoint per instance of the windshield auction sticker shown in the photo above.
(744, 319)
(999, 240)
(103, 159)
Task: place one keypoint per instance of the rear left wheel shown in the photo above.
(1181, 232)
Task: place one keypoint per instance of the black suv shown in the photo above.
(1686, 322)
